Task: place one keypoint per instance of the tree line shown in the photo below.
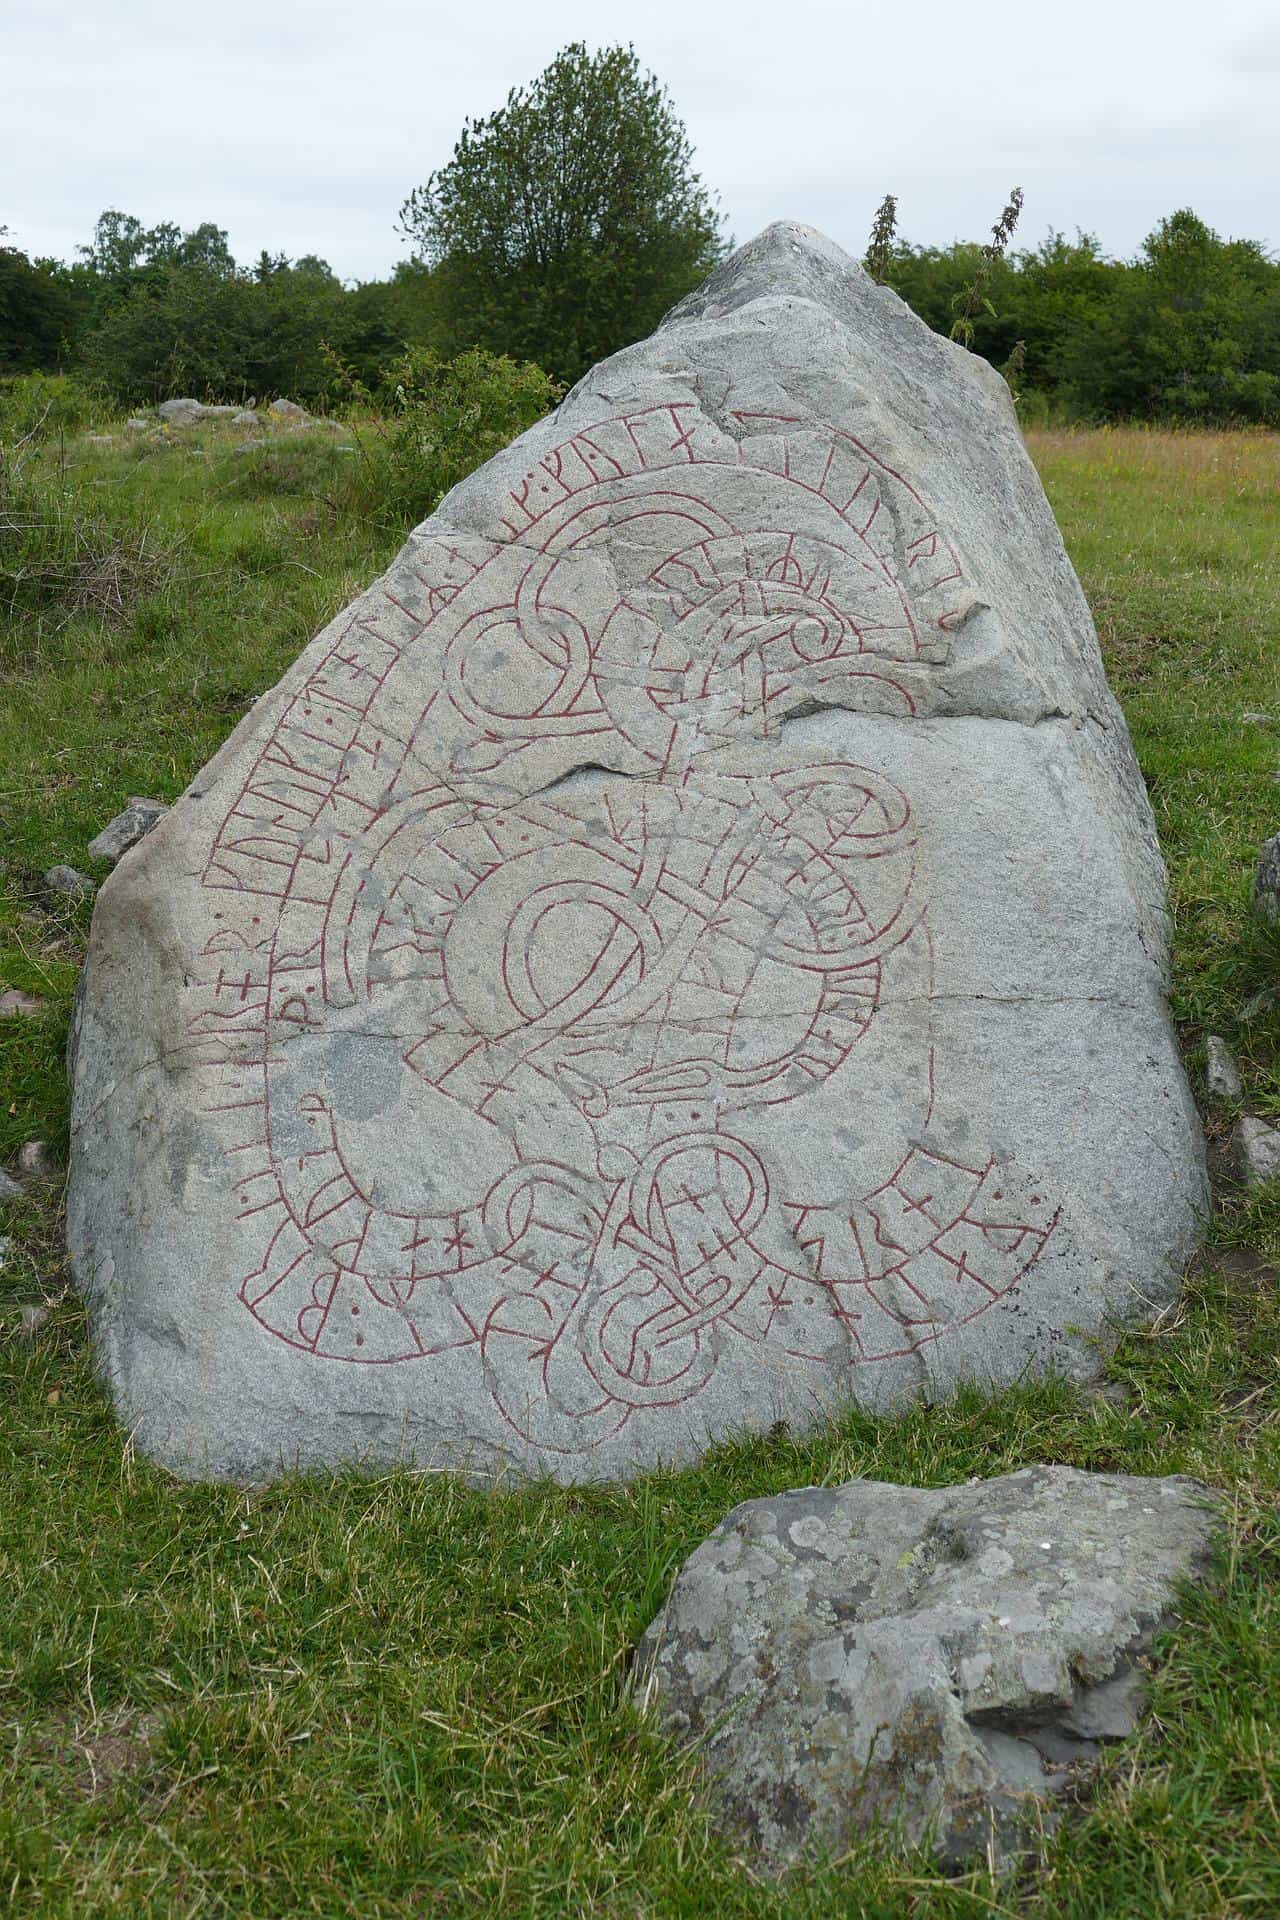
(563, 227)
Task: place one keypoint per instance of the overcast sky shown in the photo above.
(301, 127)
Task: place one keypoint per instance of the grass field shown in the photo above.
(395, 1697)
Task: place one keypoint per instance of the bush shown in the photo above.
(43, 405)
(59, 561)
(443, 419)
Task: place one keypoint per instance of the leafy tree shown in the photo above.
(40, 306)
(567, 222)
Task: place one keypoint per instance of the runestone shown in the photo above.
(683, 951)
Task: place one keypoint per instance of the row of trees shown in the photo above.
(566, 223)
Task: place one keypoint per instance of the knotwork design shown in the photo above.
(527, 921)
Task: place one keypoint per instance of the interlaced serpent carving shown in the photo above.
(440, 913)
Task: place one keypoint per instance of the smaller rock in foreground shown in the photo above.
(1257, 1148)
(1266, 881)
(942, 1661)
(9, 1190)
(1222, 1076)
(15, 1002)
(128, 827)
(36, 1162)
(68, 882)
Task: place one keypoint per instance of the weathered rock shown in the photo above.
(287, 410)
(1257, 1149)
(36, 1161)
(68, 882)
(139, 423)
(13, 1002)
(36, 1316)
(1266, 880)
(9, 1190)
(181, 412)
(1221, 1074)
(127, 828)
(944, 1662)
(246, 418)
(685, 949)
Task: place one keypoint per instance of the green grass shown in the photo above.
(400, 1697)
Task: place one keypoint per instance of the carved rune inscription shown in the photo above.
(590, 995)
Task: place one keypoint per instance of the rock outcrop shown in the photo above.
(943, 1662)
(685, 949)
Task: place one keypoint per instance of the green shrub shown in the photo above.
(44, 405)
(60, 560)
(444, 418)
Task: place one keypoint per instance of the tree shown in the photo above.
(567, 222)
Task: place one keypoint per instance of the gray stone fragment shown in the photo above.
(13, 1003)
(685, 950)
(139, 423)
(36, 1161)
(1257, 1149)
(1257, 719)
(9, 1188)
(182, 412)
(35, 1318)
(1266, 880)
(1222, 1076)
(246, 417)
(68, 882)
(126, 829)
(942, 1662)
(287, 410)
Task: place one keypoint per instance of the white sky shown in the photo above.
(301, 127)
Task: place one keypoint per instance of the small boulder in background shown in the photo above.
(945, 1662)
(1257, 1148)
(288, 410)
(1222, 1076)
(182, 412)
(68, 882)
(128, 827)
(1266, 880)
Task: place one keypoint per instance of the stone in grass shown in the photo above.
(288, 410)
(138, 423)
(9, 1190)
(68, 883)
(1257, 1148)
(1222, 1076)
(1266, 880)
(943, 1662)
(36, 1161)
(611, 994)
(246, 418)
(181, 411)
(127, 828)
(14, 1002)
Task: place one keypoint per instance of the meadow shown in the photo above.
(396, 1696)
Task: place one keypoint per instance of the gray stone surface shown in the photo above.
(684, 949)
(287, 410)
(9, 1190)
(69, 882)
(36, 1161)
(944, 1662)
(1257, 1149)
(181, 411)
(1222, 1076)
(127, 828)
(1266, 879)
(246, 418)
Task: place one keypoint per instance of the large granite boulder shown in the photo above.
(945, 1662)
(684, 949)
